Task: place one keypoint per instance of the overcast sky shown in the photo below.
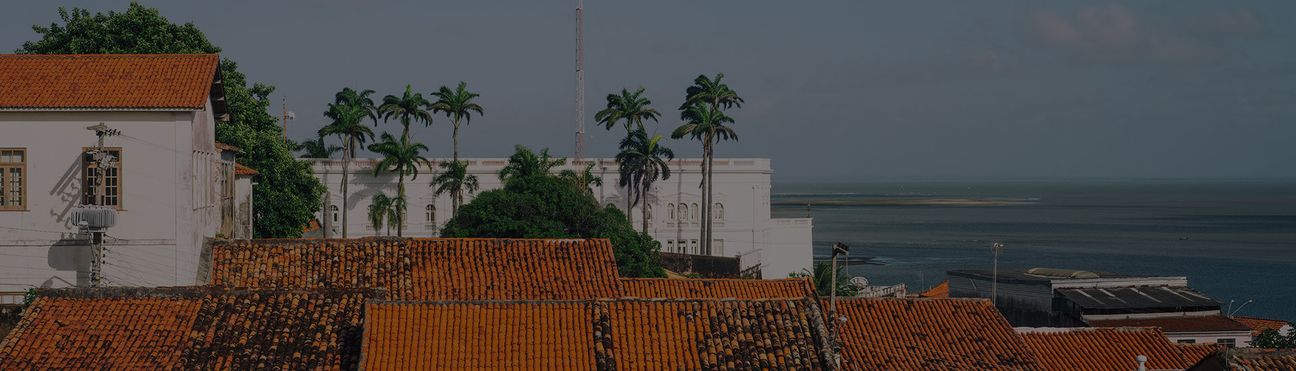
(852, 88)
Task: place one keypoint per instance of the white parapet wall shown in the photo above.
(742, 227)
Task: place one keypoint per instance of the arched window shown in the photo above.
(333, 209)
(670, 211)
(717, 212)
(682, 213)
(649, 210)
(694, 214)
(429, 212)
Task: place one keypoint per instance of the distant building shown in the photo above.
(162, 176)
(743, 225)
(1045, 297)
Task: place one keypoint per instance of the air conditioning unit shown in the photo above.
(94, 217)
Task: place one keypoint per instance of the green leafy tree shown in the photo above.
(821, 278)
(526, 163)
(402, 158)
(630, 109)
(541, 205)
(1272, 339)
(287, 195)
(643, 161)
(317, 148)
(408, 108)
(455, 181)
(347, 127)
(704, 120)
(458, 105)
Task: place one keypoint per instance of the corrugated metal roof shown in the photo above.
(1138, 297)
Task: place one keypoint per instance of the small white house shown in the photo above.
(157, 167)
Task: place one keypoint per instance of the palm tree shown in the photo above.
(525, 163)
(346, 125)
(630, 108)
(410, 107)
(360, 99)
(458, 106)
(379, 207)
(645, 160)
(584, 179)
(455, 181)
(402, 158)
(317, 148)
(396, 214)
(704, 119)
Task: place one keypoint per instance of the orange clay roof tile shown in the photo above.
(106, 81)
(1254, 359)
(928, 334)
(1259, 325)
(187, 328)
(240, 169)
(626, 334)
(425, 269)
(717, 288)
(1105, 348)
(940, 291)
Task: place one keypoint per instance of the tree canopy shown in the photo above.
(288, 194)
(543, 205)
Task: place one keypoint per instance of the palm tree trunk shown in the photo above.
(706, 149)
(710, 231)
(644, 194)
(455, 139)
(400, 191)
(629, 194)
(346, 168)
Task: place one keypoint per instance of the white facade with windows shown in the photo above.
(742, 227)
(165, 183)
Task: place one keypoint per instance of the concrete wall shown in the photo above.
(163, 218)
(742, 188)
(1240, 338)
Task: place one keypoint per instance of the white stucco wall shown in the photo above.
(742, 187)
(162, 221)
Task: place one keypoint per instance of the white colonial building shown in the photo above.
(743, 227)
(160, 172)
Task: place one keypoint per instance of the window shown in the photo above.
(670, 212)
(717, 247)
(694, 215)
(648, 208)
(693, 247)
(1228, 342)
(683, 212)
(717, 212)
(1187, 341)
(13, 179)
(430, 214)
(670, 245)
(106, 181)
(333, 209)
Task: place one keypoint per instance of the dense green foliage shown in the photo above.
(821, 277)
(542, 205)
(287, 194)
(1272, 339)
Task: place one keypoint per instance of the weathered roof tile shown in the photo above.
(106, 81)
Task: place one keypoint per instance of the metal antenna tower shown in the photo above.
(580, 82)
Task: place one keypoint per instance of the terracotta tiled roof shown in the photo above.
(1104, 348)
(226, 147)
(187, 328)
(623, 334)
(106, 81)
(928, 334)
(940, 291)
(718, 288)
(1214, 323)
(239, 169)
(1259, 325)
(1196, 352)
(425, 269)
(1251, 359)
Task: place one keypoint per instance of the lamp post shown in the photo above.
(997, 248)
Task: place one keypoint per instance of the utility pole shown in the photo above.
(997, 248)
(286, 116)
(838, 248)
(580, 82)
(102, 162)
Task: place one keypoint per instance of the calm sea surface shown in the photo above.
(1234, 240)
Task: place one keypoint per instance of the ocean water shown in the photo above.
(1234, 240)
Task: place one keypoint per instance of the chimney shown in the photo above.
(1142, 362)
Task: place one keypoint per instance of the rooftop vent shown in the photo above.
(1060, 273)
(94, 217)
